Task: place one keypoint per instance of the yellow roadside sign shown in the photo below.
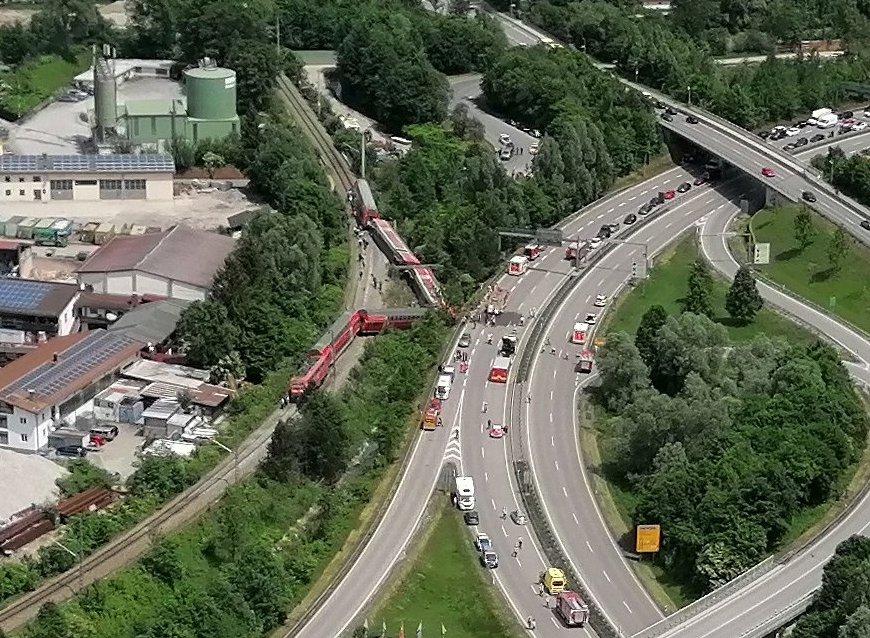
(600, 341)
(648, 538)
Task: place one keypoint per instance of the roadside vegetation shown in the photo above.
(37, 80)
(444, 586)
(725, 444)
(841, 608)
(816, 260)
(668, 286)
(675, 53)
(238, 571)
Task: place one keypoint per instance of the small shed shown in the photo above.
(88, 232)
(26, 228)
(10, 227)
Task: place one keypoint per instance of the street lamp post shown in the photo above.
(76, 557)
(235, 454)
(690, 95)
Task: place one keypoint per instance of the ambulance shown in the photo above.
(517, 265)
(579, 333)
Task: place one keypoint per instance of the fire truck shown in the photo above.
(499, 371)
(572, 609)
(517, 265)
(532, 251)
(432, 415)
(579, 333)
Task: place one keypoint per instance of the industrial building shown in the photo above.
(207, 112)
(40, 388)
(179, 263)
(27, 178)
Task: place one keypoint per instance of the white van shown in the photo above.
(464, 493)
(442, 388)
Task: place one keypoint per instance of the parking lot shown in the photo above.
(61, 128)
(811, 131)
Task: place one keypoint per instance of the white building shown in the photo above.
(125, 69)
(40, 388)
(28, 178)
(32, 311)
(179, 263)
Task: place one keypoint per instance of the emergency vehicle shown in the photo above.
(432, 415)
(517, 265)
(572, 609)
(532, 251)
(579, 333)
(499, 371)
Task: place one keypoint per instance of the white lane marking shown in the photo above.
(627, 607)
(551, 417)
(552, 442)
(600, 282)
(504, 531)
(554, 374)
(482, 453)
(556, 463)
(600, 216)
(555, 622)
(590, 547)
(666, 181)
(606, 576)
(486, 476)
(631, 199)
(551, 395)
(492, 500)
(610, 210)
(564, 491)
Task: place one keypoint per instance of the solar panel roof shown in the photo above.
(145, 162)
(38, 298)
(74, 364)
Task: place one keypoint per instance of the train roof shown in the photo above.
(334, 329)
(365, 194)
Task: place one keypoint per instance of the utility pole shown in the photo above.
(278, 34)
(362, 153)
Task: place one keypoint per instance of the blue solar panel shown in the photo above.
(145, 162)
(16, 294)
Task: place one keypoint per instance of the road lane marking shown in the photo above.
(564, 491)
(551, 417)
(590, 547)
(627, 607)
(600, 216)
(606, 576)
(482, 453)
(492, 500)
(610, 210)
(556, 463)
(552, 442)
(504, 531)
(486, 476)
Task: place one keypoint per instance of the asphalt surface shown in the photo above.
(466, 90)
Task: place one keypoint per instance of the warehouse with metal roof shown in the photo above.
(25, 178)
(179, 263)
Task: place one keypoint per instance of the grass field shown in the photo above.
(807, 273)
(445, 585)
(35, 81)
(667, 285)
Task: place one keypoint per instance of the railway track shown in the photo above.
(129, 546)
(313, 129)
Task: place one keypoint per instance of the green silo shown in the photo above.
(211, 93)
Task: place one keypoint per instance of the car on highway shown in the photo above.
(471, 518)
(670, 194)
(505, 153)
(505, 139)
(489, 559)
(808, 196)
(792, 131)
(591, 318)
(865, 224)
(670, 110)
(768, 172)
(691, 119)
(646, 209)
(702, 179)
(497, 431)
(667, 117)
(605, 232)
(818, 137)
(629, 219)
(685, 186)
(482, 542)
(600, 301)
(518, 517)
(465, 340)
(594, 243)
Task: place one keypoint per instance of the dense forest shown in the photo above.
(850, 174)
(841, 608)
(723, 444)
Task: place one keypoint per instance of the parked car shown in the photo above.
(859, 126)
(482, 542)
(629, 219)
(685, 186)
(667, 117)
(504, 139)
(768, 172)
(865, 224)
(600, 301)
(801, 141)
(505, 153)
(691, 119)
(534, 148)
(605, 232)
(670, 110)
(670, 194)
(471, 518)
(808, 196)
(518, 517)
(594, 243)
(489, 559)
(613, 227)
(72, 450)
(789, 147)
(818, 137)
(465, 340)
(591, 318)
(701, 179)
(791, 131)
(497, 431)
(764, 134)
